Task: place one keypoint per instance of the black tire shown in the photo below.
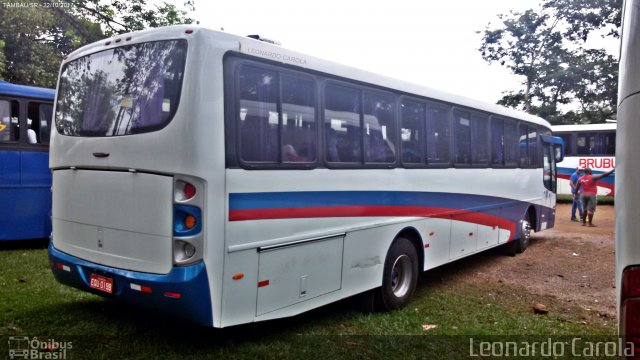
(520, 245)
(400, 275)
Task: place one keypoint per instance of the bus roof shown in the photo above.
(583, 127)
(9, 89)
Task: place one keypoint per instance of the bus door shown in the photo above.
(552, 153)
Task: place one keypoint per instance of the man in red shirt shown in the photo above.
(588, 183)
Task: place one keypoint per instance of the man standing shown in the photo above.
(575, 195)
(588, 184)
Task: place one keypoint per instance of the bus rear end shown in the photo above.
(128, 195)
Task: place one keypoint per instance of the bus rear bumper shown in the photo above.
(183, 292)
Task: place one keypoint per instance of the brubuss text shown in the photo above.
(598, 163)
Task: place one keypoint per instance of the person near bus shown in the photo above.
(588, 184)
(575, 196)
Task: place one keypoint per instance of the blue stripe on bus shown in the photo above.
(270, 200)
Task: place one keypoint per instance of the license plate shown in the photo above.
(101, 283)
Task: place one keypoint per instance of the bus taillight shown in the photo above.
(189, 191)
(188, 242)
(630, 305)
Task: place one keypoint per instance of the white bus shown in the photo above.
(227, 180)
(628, 178)
(588, 146)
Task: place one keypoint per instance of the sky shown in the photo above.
(427, 42)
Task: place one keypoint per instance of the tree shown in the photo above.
(547, 48)
(36, 35)
(117, 17)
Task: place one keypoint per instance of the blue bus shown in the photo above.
(25, 179)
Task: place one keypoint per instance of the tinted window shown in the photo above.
(259, 119)
(379, 128)
(568, 146)
(126, 90)
(479, 140)
(438, 134)
(462, 133)
(528, 140)
(497, 141)
(342, 124)
(471, 138)
(585, 144)
(532, 140)
(607, 144)
(9, 129)
(511, 143)
(412, 132)
(298, 120)
(38, 121)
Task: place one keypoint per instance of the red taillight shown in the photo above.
(189, 31)
(631, 282)
(630, 306)
(189, 191)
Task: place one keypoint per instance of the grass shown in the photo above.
(34, 304)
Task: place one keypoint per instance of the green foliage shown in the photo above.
(117, 17)
(34, 39)
(547, 48)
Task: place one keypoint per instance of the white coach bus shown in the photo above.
(588, 146)
(628, 177)
(227, 180)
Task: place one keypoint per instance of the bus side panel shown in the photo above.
(567, 167)
(25, 195)
(627, 209)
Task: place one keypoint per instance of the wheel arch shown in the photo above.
(413, 235)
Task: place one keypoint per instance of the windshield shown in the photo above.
(126, 90)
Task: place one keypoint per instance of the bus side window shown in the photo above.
(258, 94)
(585, 144)
(532, 141)
(298, 131)
(438, 134)
(38, 120)
(342, 124)
(497, 141)
(9, 130)
(379, 128)
(412, 132)
(462, 135)
(522, 145)
(568, 145)
(479, 140)
(510, 143)
(46, 116)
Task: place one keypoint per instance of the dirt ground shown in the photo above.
(566, 268)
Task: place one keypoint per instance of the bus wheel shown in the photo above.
(525, 235)
(400, 275)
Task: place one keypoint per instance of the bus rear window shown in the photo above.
(126, 90)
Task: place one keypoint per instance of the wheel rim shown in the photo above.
(526, 232)
(401, 276)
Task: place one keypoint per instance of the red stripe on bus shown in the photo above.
(369, 211)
